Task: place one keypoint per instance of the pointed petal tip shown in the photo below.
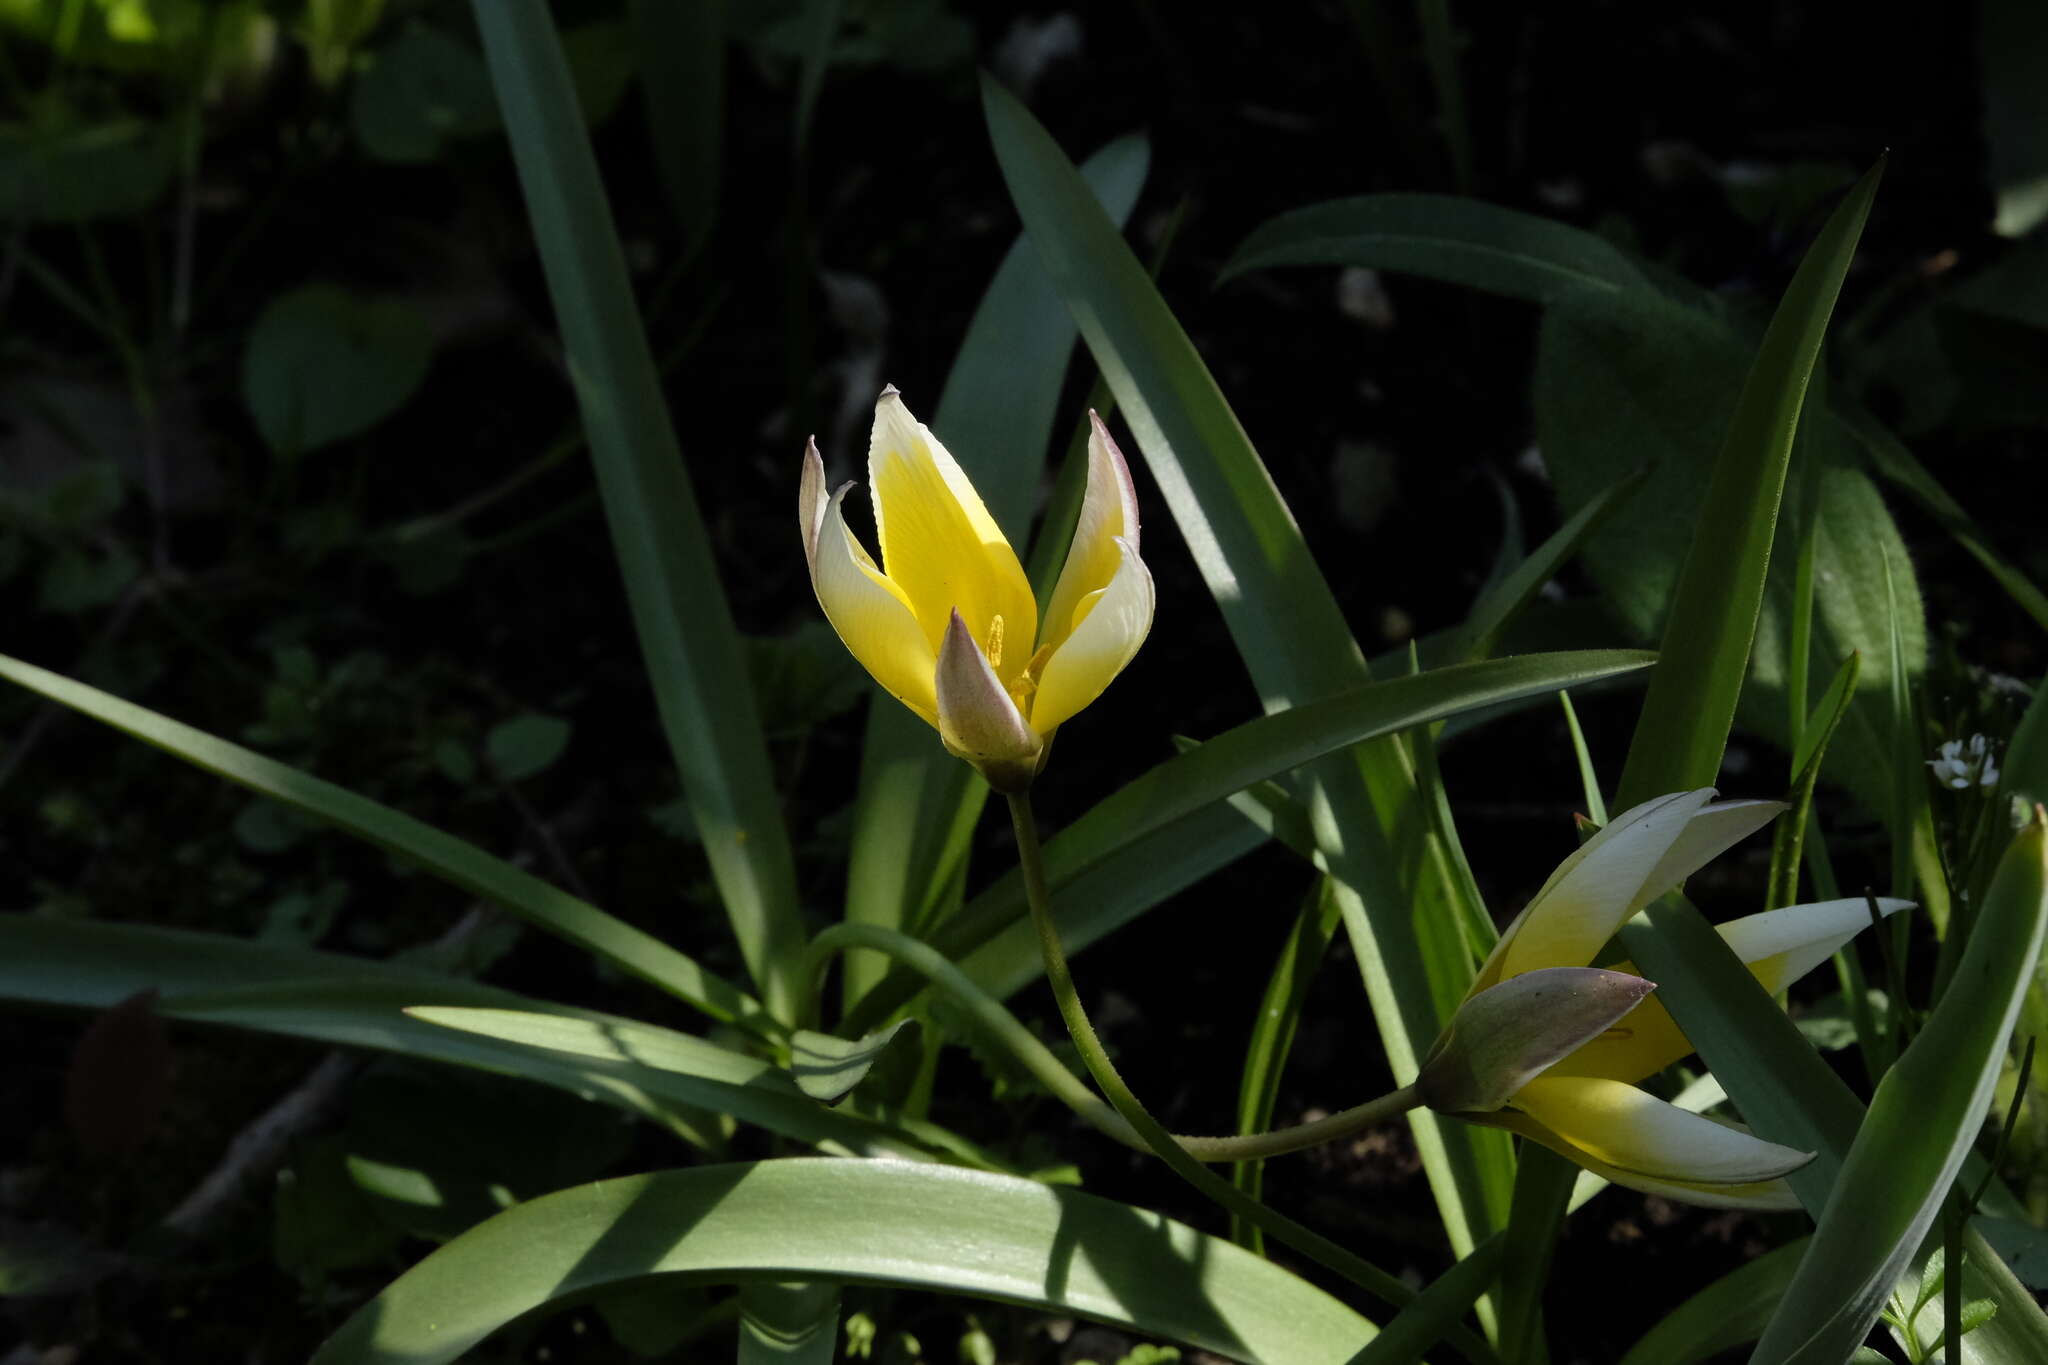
(889, 391)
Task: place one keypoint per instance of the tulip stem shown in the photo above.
(1003, 1030)
(1184, 1159)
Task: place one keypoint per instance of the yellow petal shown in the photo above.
(1109, 511)
(940, 547)
(870, 614)
(1593, 891)
(1633, 1131)
(1778, 946)
(1113, 623)
(1763, 1196)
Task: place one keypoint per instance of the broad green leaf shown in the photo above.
(78, 174)
(1285, 625)
(1182, 787)
(323, 364)
(874, 1222)
(1893, 461)
(422, 91)
(826, 1067)
(1543, 1190)
(2012, 43)
(1714, 608)
(1443, 237)
(671, 1078)
(1728, 1313)
(917, 803)
(526, 746)
(680, 613)
(454, 861)
(1926, 1114)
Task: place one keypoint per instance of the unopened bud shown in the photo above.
(1507, 1035)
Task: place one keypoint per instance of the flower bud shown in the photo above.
(1507, 1035)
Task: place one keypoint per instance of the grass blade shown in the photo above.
(1922, 1122)
(451, 859)
(1705, 656)
(680, 613)
(867, 1221)
(1272, 1038)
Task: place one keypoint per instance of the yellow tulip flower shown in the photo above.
(947, 623)
(1587, 1106)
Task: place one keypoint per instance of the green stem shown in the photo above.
(1031, 865)
(1003, 1029)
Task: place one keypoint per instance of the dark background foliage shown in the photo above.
(287, 452)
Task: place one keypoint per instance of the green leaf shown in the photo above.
(1285, 625)
(827, 1067)
(917, 803)
(1921, 1124)
(526, 746)
(669, 1077)
(79, 174)
(866, 1221)
(422, 91)
(1503, 602)
(1425, 1322)
(1728, 1313)
(1182, 787)
(2012, 44)
(1705, 656)
(459, 863)
(681, 52)
(1891, 458)
(323, 364)
(684, 623)
(1272, 1037)
(789, 1324)
(1442, 237)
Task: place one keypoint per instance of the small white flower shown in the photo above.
(1962, 764)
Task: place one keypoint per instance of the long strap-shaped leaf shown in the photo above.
(878, 1222)
(669, 1077)
(1286, 626)
(1186, 788)
(1922, 1122)
(1705, 655)
(679, 611)
(917, 802)
(454, 860)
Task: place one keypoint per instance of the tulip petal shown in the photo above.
(1712, 831)
(869, 613)
(1593, 891)
(1111, 628)
(940, 547)
(1633, 1131)
(976, 716)
(810, 501)
(1781, 946)
(1109, 510)
(1778, 946)
(1761, 1196)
